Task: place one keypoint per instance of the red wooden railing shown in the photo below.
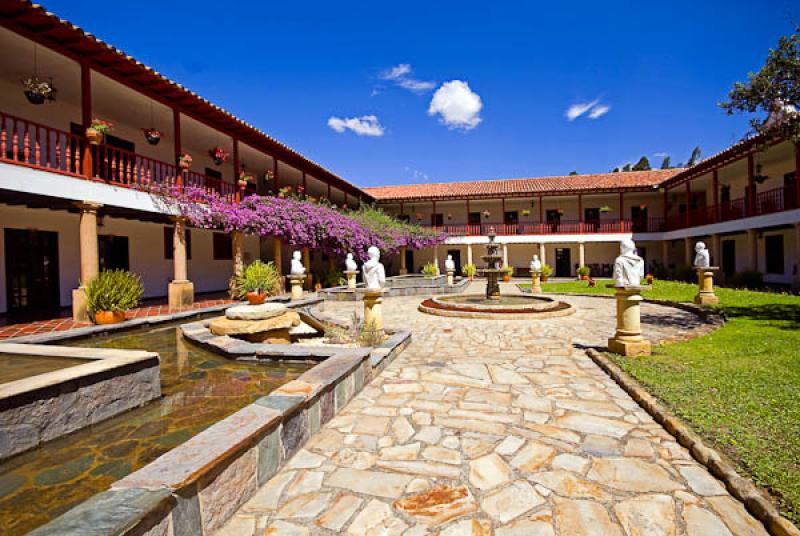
(562, 227)
(31, 144)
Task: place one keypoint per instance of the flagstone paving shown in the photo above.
(496, 427)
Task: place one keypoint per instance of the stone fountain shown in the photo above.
(493, 267)
(492, 305)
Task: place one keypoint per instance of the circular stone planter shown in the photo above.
(508, 308)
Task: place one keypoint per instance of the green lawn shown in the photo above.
(739, 386)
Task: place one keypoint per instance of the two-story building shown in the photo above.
(744, 202)
(69, 207)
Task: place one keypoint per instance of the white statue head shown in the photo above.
(700, 246)
(297, 255)
(374, 253)
(449, 257)
(627, 247)
(349, 257)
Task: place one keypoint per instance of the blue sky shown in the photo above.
(289, 67)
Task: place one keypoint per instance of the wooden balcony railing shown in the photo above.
(766, 202)
(30, 144)
(561, 227)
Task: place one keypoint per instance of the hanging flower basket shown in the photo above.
(604, 209)
(486, 214)
(152, 135)
(97, 130)
(560, 211)
(642, 206)
(219, 155)
(39, 91)
(418, 215)
(245, 179)
(184, 161)
(449, 215)
(525, 213)
(285, 191)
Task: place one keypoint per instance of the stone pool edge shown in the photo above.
(194, 488)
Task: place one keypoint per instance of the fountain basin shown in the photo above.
(504, 308)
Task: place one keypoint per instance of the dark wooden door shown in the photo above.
(32, 284)
(563, 262)
(639, 218)
(728, 257)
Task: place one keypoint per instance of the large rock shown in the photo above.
(255, 312)
(227, 326)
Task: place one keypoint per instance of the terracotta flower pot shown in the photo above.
(109, 317)
(506, 278)
(584, 278)
(256, 298)
(94, 136)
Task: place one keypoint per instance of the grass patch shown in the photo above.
(738, 387)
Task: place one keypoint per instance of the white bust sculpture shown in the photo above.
(628, 267)
(536, 264)
(374, 273)
(297, 267)
(449, 264)
(702, 259)
(350, 264)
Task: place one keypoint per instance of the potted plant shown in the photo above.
(219, 155)
(584, 272)
(152, 135)
(507, 271)
(547, 271)
(97, 130)
(112, 293)
(649, 278)
(184, 161)
(525, 212)
(39, 91)
(256, 282)
(429, 270)
(245, 179)
(486, 214)
(470, 270)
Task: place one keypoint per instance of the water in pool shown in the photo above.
(198, 388)
(17, 367)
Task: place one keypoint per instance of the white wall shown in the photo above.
(145, 251)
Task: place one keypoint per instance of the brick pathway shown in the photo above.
(63, 324)
(496, 427)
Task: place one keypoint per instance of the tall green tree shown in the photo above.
(665, 164)
(773, 92)
(642, 165)
(573, 173)
(626, 167)
(695, 157)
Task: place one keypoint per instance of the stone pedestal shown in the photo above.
(536, 282)
(373, 309)
(628, 338)
(705, 284)
(450, 278)
(80, 311)
(351, 279)
(297, 286)
(180, 295)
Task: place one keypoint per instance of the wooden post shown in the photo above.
(275, 174)
(433, 215)
(176, 133)
(541, 211)
(715, 183)
(688, 213)
(86, 118)
(666, 208)
(797, 181)
(751, 186)
(580, 214)
(621, 212)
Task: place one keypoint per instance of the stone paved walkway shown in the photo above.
(496, 427)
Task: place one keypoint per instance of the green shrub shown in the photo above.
(749, 279)
(256, 277)
(335, 278)
(429, 269)
(470, 270)
(114, 290)
(584, 271)
(547, 270)
(508, 270)
(685, 273)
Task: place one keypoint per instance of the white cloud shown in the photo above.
(401, 75)
(660, 155)
(595, 109)
(599, 111)
(457, 105)
(417, 175)
(577, 110)
(366, 125)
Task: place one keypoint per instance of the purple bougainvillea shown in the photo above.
(299, 223)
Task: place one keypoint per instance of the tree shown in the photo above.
(695, 157)
(642, 165)
(626, 167)
(665, 164)
(615, 170)
(774, 91)
(573, 173)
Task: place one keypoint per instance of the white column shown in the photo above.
(505, 254)
(89, 258)
(542, 253)
(469, 253)
(581, 254)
